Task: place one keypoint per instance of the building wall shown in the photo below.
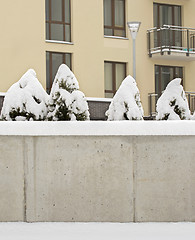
(23, 45)
(97, 178)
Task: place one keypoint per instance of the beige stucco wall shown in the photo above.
(23, 46)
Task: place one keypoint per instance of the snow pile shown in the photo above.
(126, 104)
(97, 231)
(25, 100)
(66, 102)
(173, 104)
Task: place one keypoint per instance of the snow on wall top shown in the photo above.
(98, 128)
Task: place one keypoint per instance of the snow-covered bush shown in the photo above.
(173, 104)
(66, 102)
(126, 104)
(25, 100)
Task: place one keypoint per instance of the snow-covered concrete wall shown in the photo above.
(94, 176)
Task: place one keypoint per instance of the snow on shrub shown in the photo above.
(66, 102)
(126, 104)
(173, 104)
(25, 100)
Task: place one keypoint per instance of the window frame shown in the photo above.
(160, 76)
(63, 22)
(114, 90)
(113, 27)
(173, 12)
(49, 80)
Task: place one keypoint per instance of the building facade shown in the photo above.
(92, 38)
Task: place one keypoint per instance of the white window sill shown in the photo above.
(56, 41)
(116, 37)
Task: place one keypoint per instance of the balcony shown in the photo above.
(171, 42)
(153, 97)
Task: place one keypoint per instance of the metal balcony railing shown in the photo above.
(171, 39)
(153, 97)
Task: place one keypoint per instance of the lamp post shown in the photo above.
(134, 28)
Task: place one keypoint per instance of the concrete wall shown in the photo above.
(97, 178)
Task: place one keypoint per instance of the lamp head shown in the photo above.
(134, 28)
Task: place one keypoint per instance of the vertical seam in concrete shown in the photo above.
(34, 175)
(134, 179)
(24, 169)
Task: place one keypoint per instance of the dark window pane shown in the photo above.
(177, 16)
(108, 31)
(48, 84)
(107, 13)
(57, 60)
(67, 11)
(120, 74)
(68, 59)
(109, 95)
(120, 33)
(165, 74)
(155, 15)
(47, 31)
(56, 10)
(166, 16)
(57, 32)
(119, 13)
(47, 10)
(53, 61)
(157, 79)
(67, 33)
(108, 76)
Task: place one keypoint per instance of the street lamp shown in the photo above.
(134, 28)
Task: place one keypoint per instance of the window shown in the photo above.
(58, 20)
(164, 74)
(114, 74)
(114, 18)
(166, 14)
(169, 15)
(53, 61)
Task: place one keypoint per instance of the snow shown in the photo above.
(66, 102)
(95, 99)
(173, 104)
(26, 96)
(97, 231)
(98, 128)
(126, 104)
